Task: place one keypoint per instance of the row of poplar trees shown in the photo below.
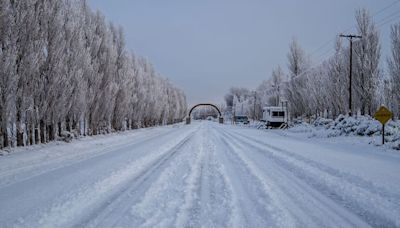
(64, 69)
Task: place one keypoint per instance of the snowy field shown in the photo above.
(201, 175)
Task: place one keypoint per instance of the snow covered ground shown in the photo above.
(363, 129)
(201, 175)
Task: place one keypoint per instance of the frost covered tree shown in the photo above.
(242, 101)
(8, 76)
(298, 64)
(276, 82)
(336, 80)
(322, 90)
(64, 68)
(393, 84)
(366, 63)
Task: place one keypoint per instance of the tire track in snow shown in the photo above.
(371, 206)
(215, 204)
(159, 205)
(356, 180)
(147, 191)
(306, 204)
(268, 205)
(235, 218)
(191, 185)
(27, 198)
(31, 169)
(189, 193)
(71, 209)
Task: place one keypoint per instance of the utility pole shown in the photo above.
(350, 37)
(276, 87)
(278, 96)
(286, 110)
(254, 109)
(234, 112)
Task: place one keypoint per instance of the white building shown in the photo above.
(274, 116)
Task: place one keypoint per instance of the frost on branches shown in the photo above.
(65, 69)
(321, 89)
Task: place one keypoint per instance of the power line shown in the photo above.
(387, 7)
(389, 16)
(327, 52)
(324, 45)
(389, 19)
(317, 64)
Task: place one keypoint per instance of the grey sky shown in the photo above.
(207, 46)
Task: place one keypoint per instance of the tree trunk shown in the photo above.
(21, 134)
(32, 134)
(86, 126)
(20, 138)
(1, 137)
(20, 130)
(51, 132)
(68, 124)
(73, 124)
(4, 133)
(5, 138)
(43, 133)
(37, 134)
(59, 128)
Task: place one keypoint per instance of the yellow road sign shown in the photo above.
(383, 115)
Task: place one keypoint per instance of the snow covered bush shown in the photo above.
(349, 126)
(67, 136)
(323, 122)
(361, 125)
(301, 127)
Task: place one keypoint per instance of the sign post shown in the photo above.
(383, 115)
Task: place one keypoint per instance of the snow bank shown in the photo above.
(364, 126)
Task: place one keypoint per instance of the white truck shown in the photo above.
(241, 119)
(274, 116)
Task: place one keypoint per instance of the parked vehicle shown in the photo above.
(274, 116)
(241, 119)
(210, 118)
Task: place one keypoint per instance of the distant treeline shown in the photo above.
(322, 88)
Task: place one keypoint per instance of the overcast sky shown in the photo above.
(207, 46)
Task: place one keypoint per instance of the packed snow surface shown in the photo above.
(200, 175)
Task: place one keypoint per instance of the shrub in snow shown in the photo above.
(333, 133)
(323, 122)
(372, 129)
(368, 128)
(392, 128)
(340, 118)
(362, 126)
(75, 133)
(350, 126)
(361, 129)
(301, 127)
(396, 145)
(67, 136)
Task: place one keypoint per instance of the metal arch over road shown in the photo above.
(205, 104)
(188, 119)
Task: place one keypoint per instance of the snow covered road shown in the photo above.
(201, 175)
